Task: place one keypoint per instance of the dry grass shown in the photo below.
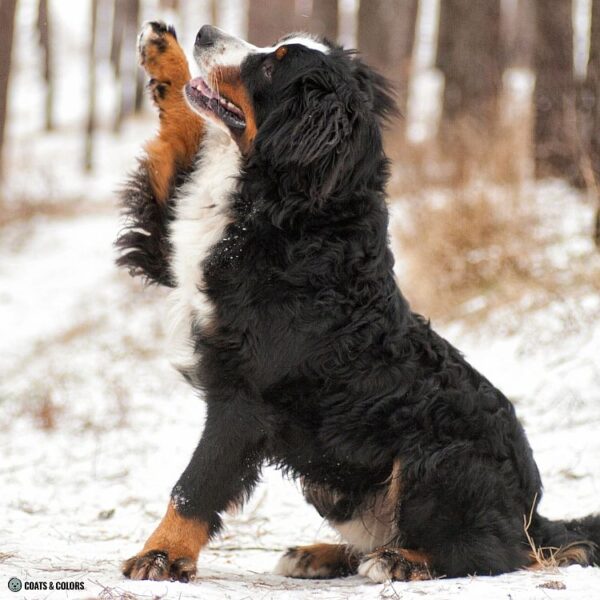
(46, 413)
(6, 555)
(42, 408)
(468, 243)
(116, 593)
(542, 557)
(24, 210)
(472, 239)
(471, 250)
(551, 557)
(482, 242)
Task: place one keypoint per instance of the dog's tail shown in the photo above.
(567, 542)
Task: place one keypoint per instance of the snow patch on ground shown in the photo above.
(86, 343)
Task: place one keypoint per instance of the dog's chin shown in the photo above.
(214, 107)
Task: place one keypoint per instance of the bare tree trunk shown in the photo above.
(214, 12)
(268, 22)
(470, 58)
(386, 35)
(323, 19)
(592, 91)
(7, 18)
(43, 25)
(123, 59)
(119, 25)
(518, 33)
(91, 118)
(511, 158)
(554, 96)
(116, 42)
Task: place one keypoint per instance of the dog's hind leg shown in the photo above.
(465, 514)
(318, 561)
(181, 129)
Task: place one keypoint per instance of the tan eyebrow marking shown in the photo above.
(280, 52)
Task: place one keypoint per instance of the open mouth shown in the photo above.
(204, 98)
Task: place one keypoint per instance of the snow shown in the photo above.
(95, 426)
(83, 495)
(127, 426)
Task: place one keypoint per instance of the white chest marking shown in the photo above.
(202, 214)
(374, 527)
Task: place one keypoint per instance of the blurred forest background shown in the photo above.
(498, 142)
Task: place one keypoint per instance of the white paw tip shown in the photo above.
(147, 32)
(375, 570)
(290, 565)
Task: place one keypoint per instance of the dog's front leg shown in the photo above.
(223, 471)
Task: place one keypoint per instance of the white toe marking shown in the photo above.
(290, 566)
(375, 569)
(146, 33)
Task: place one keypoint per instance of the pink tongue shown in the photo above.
(199, 83)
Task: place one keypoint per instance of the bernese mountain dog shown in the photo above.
(261, 203)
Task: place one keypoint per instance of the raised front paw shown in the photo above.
(157, 565)
(162, 57)
(154, 39)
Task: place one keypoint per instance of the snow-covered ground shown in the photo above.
(95, 427)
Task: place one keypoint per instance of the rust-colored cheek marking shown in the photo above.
(231, 86)
(179, 536)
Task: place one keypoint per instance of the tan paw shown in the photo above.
(319, 561)
(157, 566)
(394, 564)
(163, 59)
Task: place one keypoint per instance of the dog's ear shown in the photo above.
(378, 91)
(309, 136)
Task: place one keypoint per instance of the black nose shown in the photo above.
(207, 35)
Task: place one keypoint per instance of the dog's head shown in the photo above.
(306, 107)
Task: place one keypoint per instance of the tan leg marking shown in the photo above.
(318, 561)
(171, 552)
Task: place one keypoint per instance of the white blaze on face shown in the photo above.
(230, 51)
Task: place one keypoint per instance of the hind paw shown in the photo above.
(319, 561)
(392, 564)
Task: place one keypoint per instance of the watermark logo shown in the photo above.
(16, 585)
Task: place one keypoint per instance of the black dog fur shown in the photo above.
(315, 361)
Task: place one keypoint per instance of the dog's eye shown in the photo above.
(267, 70)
